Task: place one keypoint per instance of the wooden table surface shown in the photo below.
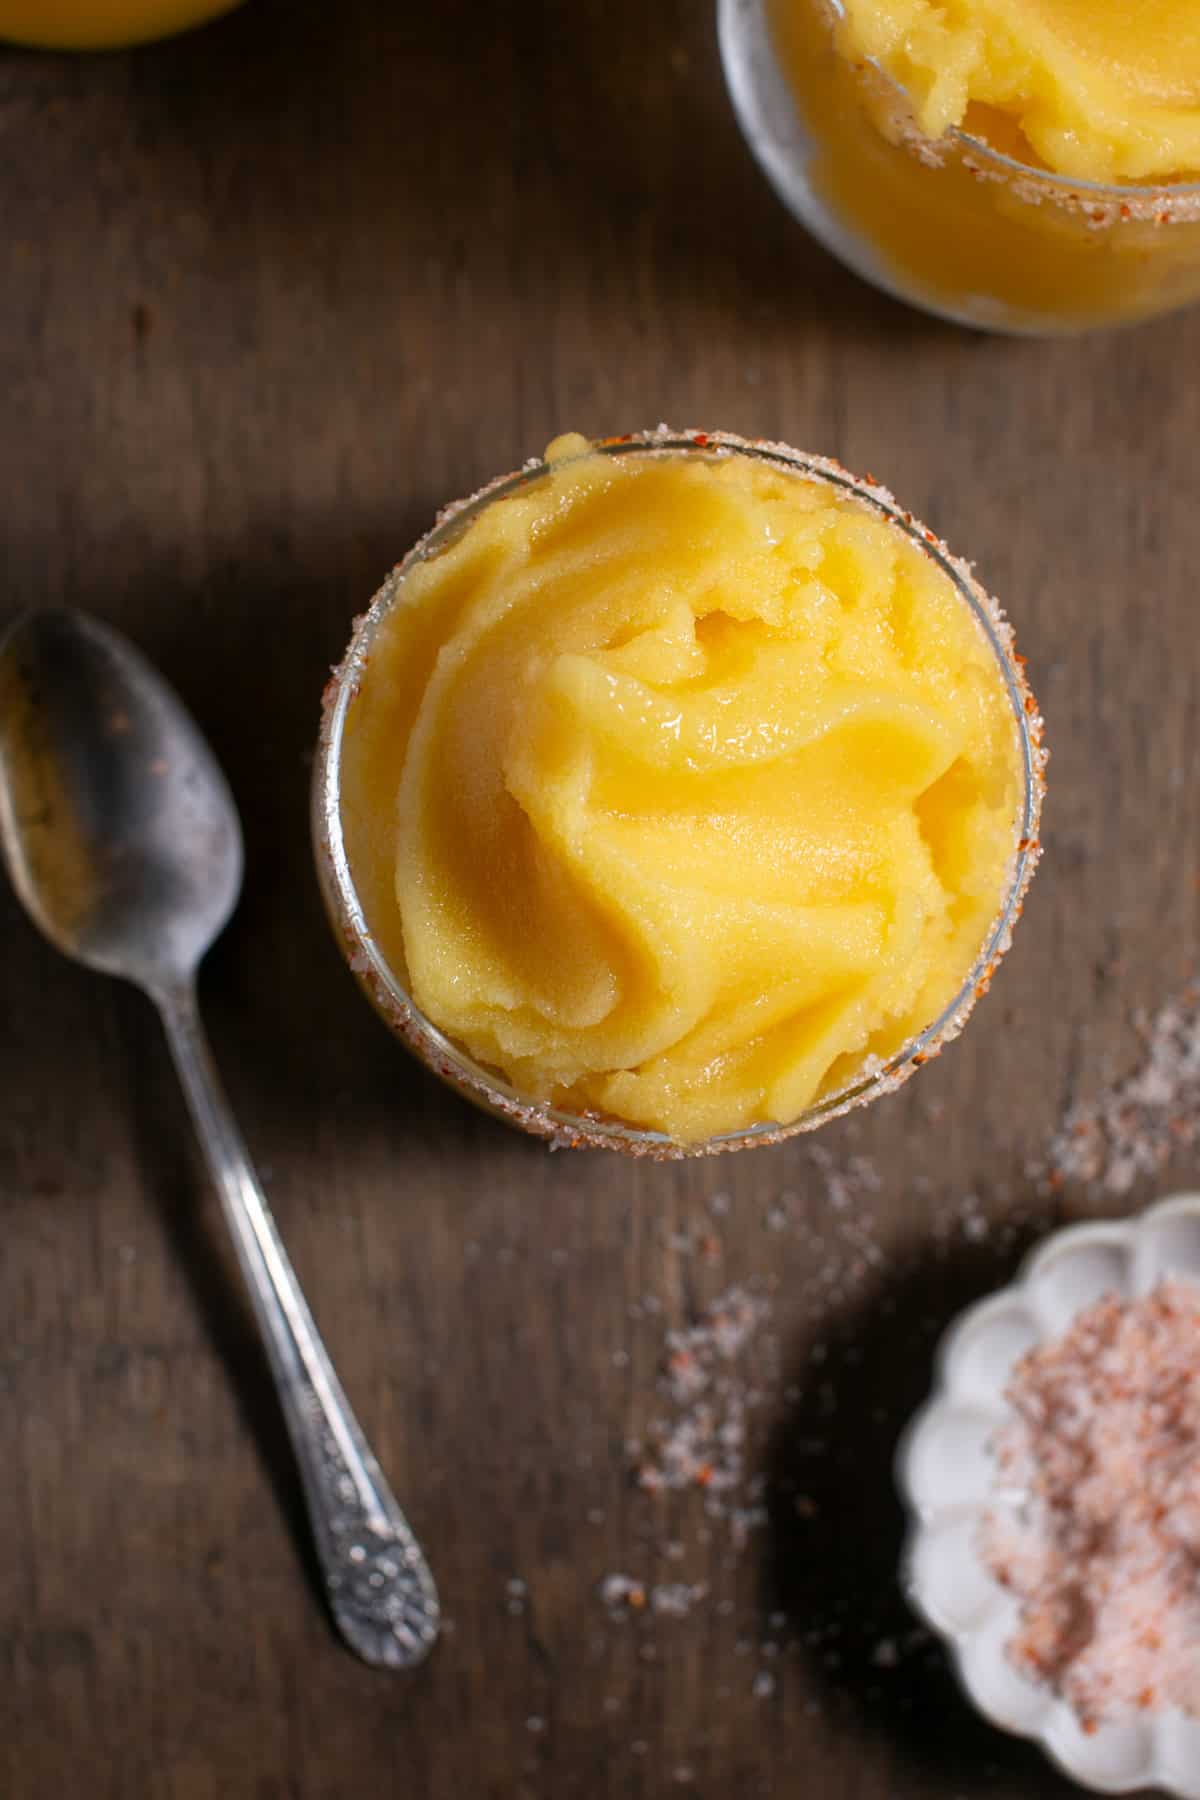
(268, 296)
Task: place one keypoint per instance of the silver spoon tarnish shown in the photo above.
(122, 840)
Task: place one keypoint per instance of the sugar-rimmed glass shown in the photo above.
(386, 985)
(957, 226)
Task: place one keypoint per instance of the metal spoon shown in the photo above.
(122, 840)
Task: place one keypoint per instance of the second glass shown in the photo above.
(953, 226)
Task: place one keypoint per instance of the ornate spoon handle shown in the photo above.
(380, 1589)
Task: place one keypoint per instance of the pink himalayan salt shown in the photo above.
(1103, 1548)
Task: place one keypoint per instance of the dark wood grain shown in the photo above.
(268, 296)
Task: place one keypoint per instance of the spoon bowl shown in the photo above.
(122, 837)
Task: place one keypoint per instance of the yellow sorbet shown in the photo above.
(679, 785)
(101, 24)
(1102, 90)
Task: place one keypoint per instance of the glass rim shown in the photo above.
(487, 1086)
(1108, 193)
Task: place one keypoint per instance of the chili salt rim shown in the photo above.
(485, 1087)
(946, 1480)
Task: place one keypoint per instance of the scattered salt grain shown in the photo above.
(763, 1685)
(699, 1441)
(845, 1184)
(721, 1377)
(621, 1592)
(1132, 1129)
(517, 1592)
(675, 1599)
(622, 1595)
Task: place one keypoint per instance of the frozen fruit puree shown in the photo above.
(1102, 90)
(679, 785)
(101, 24)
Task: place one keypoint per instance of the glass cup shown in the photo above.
(102, 24)
(955, 226)
(370, 938)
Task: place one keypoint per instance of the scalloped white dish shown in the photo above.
(946, 1477)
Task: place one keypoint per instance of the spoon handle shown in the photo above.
(380, 1590)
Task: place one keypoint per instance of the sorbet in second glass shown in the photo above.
(1100, 90)
(102, 24)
